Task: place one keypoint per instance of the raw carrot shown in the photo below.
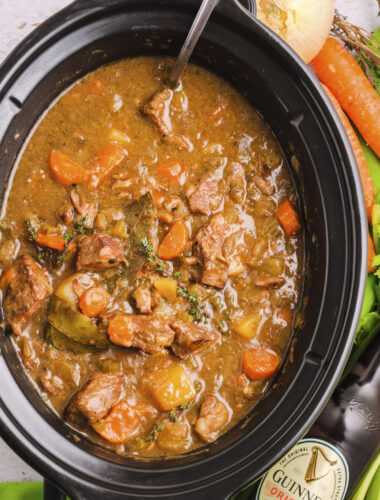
(54, 242)
(259, 364)
(365, 174)
(107, 159)
(120, 330)
(66, 170)
(173, 170)
(339, 71)
(288, 218)
(94, 301)
(119, 425)
(371, 255)
(175, 241)
(6, 278)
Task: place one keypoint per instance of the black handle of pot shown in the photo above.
(52, 493)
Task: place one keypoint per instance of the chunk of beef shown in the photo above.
(208, 246)
(157, 109)
(270, 282)
(99, 251)
(263, 180)
(152, 333)
(190, 338)
(204, 196)
(85, 210)
(213, 416)
(95, 400)
(149, 333)
(52, 383)
(237, 182)
(66, 213)
(27, 293)
(143, 298)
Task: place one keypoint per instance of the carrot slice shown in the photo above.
(288, 218)
(158, 198)
(94, 301)
(119, 425)
(120, 331)
(107, 159)
(54, 242)
(6, 278)
(175, 241)
(371, 255)
(66, 170)
(339, 71)
(364, 172)
(259, 364)
(173, 170)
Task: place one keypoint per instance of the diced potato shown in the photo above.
(163, 308)
(185, 316)
(171, 387)
(235, 267)
(120, 229)
(101, 221)
(196, 289)
(116, 135)
(167, 288)
(248, 326)
(49, 229)
(65, 289)
(274, 265)
(175, 437)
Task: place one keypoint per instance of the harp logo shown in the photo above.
(312, 470)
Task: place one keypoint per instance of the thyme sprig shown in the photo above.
(147, 249)
(195, 309)
(156, 429)
(80, 225)
(31, 230)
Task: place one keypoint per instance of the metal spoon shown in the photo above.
(195, 32)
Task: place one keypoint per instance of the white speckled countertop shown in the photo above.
(17, 19)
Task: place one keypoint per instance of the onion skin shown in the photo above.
(303, 24)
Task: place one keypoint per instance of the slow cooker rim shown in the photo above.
(336, 125)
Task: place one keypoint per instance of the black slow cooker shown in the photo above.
(240, 49)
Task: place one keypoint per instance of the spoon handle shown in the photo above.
(196, 29)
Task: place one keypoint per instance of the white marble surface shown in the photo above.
(17, 19)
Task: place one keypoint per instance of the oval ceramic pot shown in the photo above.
(237, 47)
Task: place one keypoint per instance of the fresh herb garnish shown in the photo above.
(195, 309)
(146, 246)
(61, 257)
(80, 225)
(31, 230)
(185, 406)
(43, 255)
(154, 433)
(173, 416)
(67, 237)
(195, 313)
(147, 250)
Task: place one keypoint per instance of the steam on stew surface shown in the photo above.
(152, 256)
